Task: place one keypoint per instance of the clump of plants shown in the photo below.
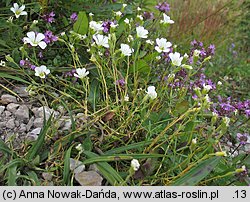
(150, 115)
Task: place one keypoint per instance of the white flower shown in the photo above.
(194, 141)
(41, 71)
(162, 45)
(126, 21)
(158, 57)
(141, 32)
(130, 38)
(222, 153)
(124, 5)
(10, 19)
(81, 73)
(151, 92)
(185, 55)
(176, 58)
(135, 164)
(18, 10)
(35, 39)
(96, 26)
(113, 25)
(140, 17)
(215, 114)
(101, 40)
(207, 87)
(219, 83)
(226, 120)
(166, 19)
(2, 63)
(119, 13)
(150, 42)
(138, 9)
(35, 22)
(126, 50)
(91, 14)
(197, 53)
(126, 98)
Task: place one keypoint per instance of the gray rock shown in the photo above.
(48, 112)
(12, 107)
(3, 124)
(23, 113)
(11, 123)
(38, 123)
(6, 99)
(17, 123)
(22, 128)
(7, 114)
(76, 166)
(47, 176)
(67, 123)
(2, 108)
(33, 135)
(21, 91)
(89, 178)
(30, 123)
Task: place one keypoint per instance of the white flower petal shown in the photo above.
(22, 7)
(16, 7)
(39, 37)
(23, 13)
(42, 45)
(31, 35)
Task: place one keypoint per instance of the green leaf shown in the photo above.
(141, 66)
(4, 148)
(109, 173)
(66, 168)
(82, 23)
(34, 178)
(4, 75)
(94, 93)
(12, 175)
(181, 107)
(36, 147)
(196, 174)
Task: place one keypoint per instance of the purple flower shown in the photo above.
(26, 63)
(22, 63)
(148, 15)
(40, 54)
(211, 49)
(73, 17)
(247, 112)
(243, 138)
(49, 17)
(163, 7)
(120, 82)
(106, 25)
(49, 37)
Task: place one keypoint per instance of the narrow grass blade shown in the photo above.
(110, 174)
(73, 124)
(4, 148)
(195, 175)
(12, 175)
(34, 178)
(15, 162)
(119, 157)
(128, 147)
(33, 151)
(66, 167)
(4, 75)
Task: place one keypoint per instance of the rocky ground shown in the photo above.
(21, 120)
